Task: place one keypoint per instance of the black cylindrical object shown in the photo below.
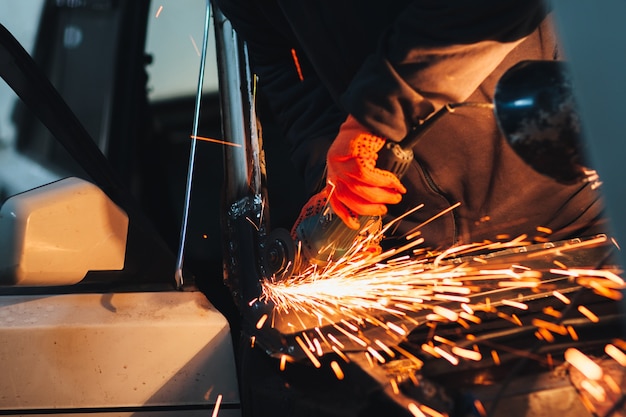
(537, 113)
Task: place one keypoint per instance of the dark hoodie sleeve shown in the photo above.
(437, 52)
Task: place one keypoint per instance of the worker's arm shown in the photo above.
(436, 52)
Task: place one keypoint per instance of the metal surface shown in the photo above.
(114, 353)
(244, 220)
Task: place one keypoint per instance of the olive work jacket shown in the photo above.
(393, 64)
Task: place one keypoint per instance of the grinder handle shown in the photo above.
(396, 157)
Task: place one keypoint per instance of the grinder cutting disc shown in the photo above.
(278, 254)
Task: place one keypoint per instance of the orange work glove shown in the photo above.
(354, 185)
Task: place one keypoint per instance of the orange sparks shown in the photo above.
(337, 370)
(615, 243)
(545, 230)
(318, 347)
(519, 284)
(430, 411)
(550, 311)
(308, 353)
(470, 317)
(619, 343)
(376, 355)
(447, 356)
(394, 386)
(396, 328)
(554, 328)
(414, 359)
(296, 62)
(614, 352)
(515, 304)
(480, 408)
(283, 362)
(340, 354)
(195, 46)
(261, 321)
(561, 297)
(602, 290)
(601, 273)
(216, 409)
(467, 354)
(594, 389)
(495, 357)
(385, 348)
(572, 333)
(612, 384)
(430, 349)
(221, 142)
(443, 340)
(583, 363)
(446, 313)
(512, 318)
(587, 313)
(158, 13)
(414, 409)
(335, 341)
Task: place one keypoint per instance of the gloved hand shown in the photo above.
(354, 185)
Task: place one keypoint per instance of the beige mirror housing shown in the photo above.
(55, 234)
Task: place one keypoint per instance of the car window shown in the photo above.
(117, 93)
(174, 40)
(23, 24)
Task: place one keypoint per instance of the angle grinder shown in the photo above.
(324, 237)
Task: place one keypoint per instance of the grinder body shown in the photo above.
(325, 237)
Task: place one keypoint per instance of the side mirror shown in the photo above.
(55, 234)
